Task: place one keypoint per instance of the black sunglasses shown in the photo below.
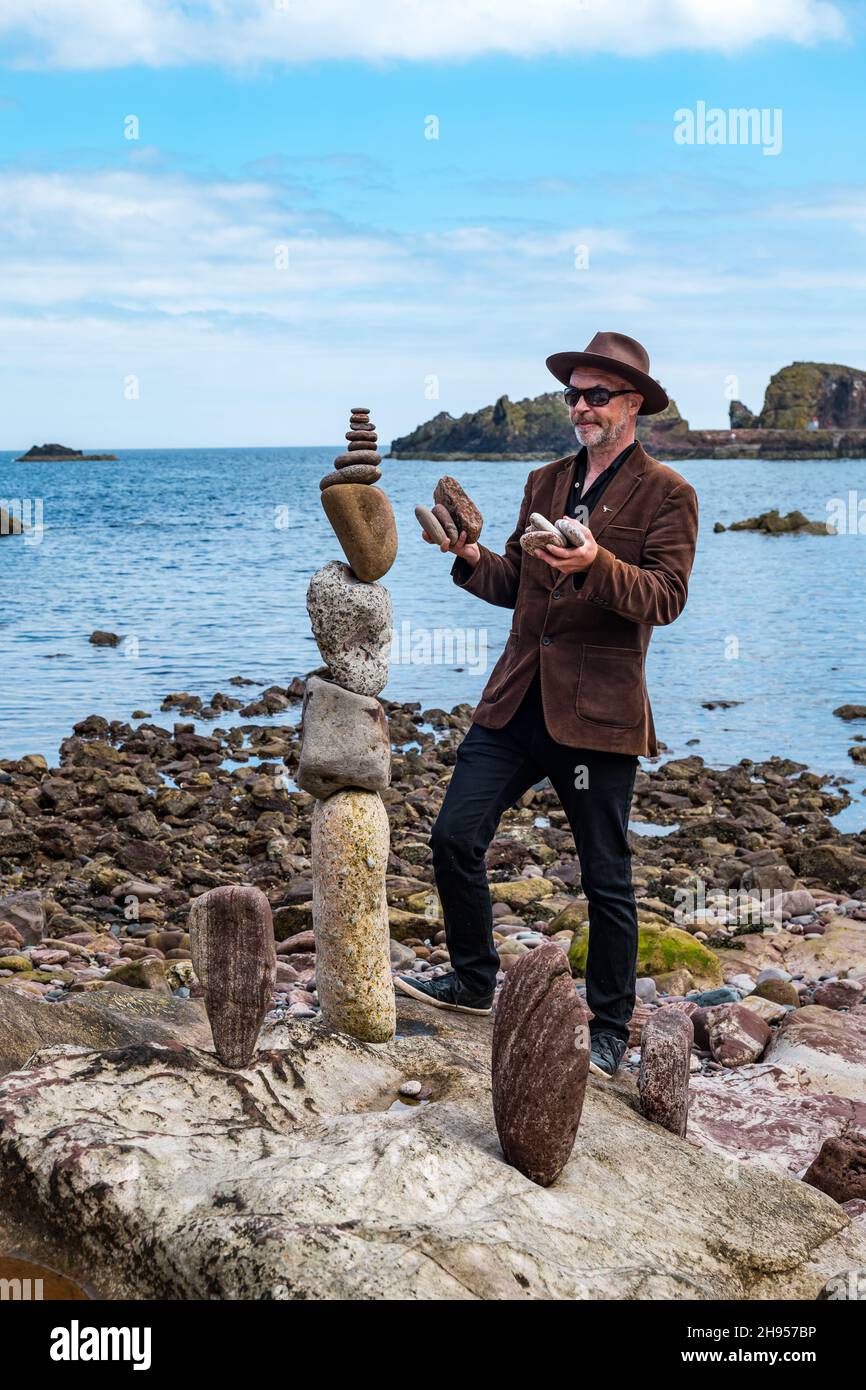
(594, 395)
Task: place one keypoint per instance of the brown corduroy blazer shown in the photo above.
(590, 631)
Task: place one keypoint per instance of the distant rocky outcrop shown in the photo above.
(808, 396)
(60, 453)
(772, 524)
(811, 410)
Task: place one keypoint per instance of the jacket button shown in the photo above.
(545, 641)
(557, 593)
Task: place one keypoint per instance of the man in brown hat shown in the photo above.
(567, 699)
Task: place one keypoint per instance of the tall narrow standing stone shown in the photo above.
(541, 1051)
(349, 851)
(663, 1080)
(233, 955)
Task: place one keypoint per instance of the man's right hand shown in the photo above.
(466, 550)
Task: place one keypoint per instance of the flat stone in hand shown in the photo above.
(430, 524)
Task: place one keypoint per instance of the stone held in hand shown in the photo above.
(364, 524)
(430, 523)
(232, 943)
(349, 844)
(352, 623)
(541, 1047)
(663, 1079)
(352, 473)
(459, 504)
(540, 523)
(348, 460)
(345, 740)
(572, 532)
(446, 521)
(533, 541)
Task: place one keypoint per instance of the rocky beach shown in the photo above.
(752, 910)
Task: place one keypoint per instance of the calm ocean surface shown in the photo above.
(203, 558)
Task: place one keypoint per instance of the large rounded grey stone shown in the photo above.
(352, 624)
(345, 740)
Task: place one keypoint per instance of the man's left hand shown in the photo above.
(571, 559)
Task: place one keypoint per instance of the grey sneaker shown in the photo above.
(606, 1053)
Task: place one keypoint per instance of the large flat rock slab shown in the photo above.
(293, 1178)
(769, 1115)
(100, 1018)
(828, 1044)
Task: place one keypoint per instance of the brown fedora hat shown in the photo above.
(614, 352)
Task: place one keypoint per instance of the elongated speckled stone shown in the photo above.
(663, 1080)
(541, 1051)
(232, 946)
(349, 852)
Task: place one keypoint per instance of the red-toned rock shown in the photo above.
(466, 515)
(736, 1035)
(232, 937)
(301, 941)
(770, 1115)
(840, 1168)
(540, 1064)
(839, 994)
(663, 1079)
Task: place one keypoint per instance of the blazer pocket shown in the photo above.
(610, 687)
(626, 542)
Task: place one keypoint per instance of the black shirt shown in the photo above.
(589, 499)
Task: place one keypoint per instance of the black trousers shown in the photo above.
(494, 768)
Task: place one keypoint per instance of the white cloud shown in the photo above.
(163, 33)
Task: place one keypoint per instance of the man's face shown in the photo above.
(600, 425)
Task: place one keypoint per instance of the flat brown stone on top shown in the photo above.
(540, 1064)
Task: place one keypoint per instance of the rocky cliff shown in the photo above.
(811, 410)
(825, 392)
(537, 427)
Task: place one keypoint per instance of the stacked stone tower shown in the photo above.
(345, 758)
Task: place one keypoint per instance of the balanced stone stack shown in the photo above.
(345, 758)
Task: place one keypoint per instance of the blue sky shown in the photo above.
(281, 236)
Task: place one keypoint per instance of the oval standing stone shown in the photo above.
(363, 521)
(663, 1079)
(232, 945)
(349, 850)
(541, 1050)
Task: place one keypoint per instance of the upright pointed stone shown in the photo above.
(233, 954)
(541, 1049)
(663, 1080)
(349, 851)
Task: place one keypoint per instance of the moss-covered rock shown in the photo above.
(519, 892)
(661, 950)
(833, 395)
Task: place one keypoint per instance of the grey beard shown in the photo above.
(609, 435)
